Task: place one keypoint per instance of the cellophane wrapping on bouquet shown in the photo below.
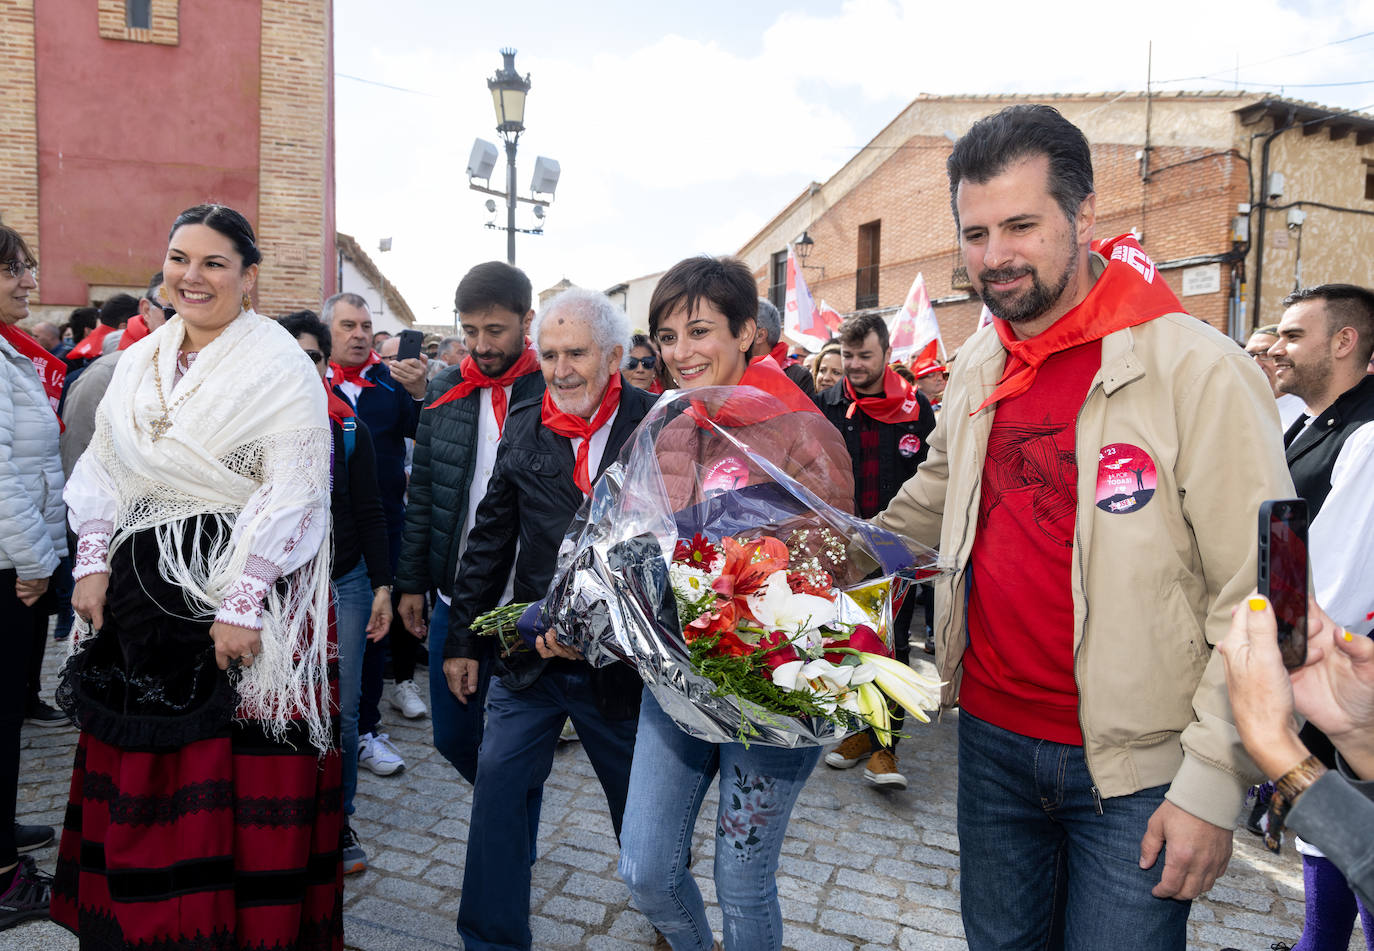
(707, 465)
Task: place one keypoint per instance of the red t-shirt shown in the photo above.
(1018, 667)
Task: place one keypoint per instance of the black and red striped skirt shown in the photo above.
(187, 828)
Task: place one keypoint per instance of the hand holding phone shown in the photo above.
(1283, 573)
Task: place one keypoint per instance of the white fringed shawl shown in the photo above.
(250, 441)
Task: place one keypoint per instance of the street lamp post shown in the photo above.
(508, 92)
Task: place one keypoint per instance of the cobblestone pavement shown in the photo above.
(861, 869)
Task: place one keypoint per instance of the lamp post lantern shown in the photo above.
(508, 93)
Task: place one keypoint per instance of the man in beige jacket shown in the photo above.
(1092, 485)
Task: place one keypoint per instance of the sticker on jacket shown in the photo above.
(909, 445)
(1125, 478)
(726, 475)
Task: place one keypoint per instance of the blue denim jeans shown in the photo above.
(352, 608)
(457, 727)
(1041, 866)
(516, 757)
(758, 788)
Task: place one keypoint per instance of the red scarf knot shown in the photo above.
(474, 379)
(762, 373)
(134, 331)
(898, 404)
(354, 375)
(1129, 292)
(575, 427)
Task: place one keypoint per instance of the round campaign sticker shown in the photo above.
(1125, 478)
(909, 445)
(724, 476)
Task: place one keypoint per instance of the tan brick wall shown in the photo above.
(112, 17)
(294, 165)
(18, 121)
(1185, 209)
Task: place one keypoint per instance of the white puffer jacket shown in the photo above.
(33, 534)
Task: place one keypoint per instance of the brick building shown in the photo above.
(1183, 169)
(120, 113)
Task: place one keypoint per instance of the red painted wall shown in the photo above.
(129, 134)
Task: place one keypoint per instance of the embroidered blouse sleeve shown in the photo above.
(91, 508)
(289, 519)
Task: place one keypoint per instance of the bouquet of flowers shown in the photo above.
(753, 609)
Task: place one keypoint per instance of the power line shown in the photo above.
(1233, 69)
(373, 82)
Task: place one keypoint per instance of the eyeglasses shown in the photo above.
(647, 363)
(17, 268)
(315, 355)
(1260, 355)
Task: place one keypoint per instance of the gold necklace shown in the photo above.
(159, 426)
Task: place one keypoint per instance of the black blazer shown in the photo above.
(531, 499)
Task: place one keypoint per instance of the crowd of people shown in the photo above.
(247, 525)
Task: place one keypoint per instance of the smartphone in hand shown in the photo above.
(409, 347)
(1283, 573)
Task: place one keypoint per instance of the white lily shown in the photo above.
(863, 674)
(778, 608)
(788, 676)
(873, 710)
(832, 679)
(916, 692)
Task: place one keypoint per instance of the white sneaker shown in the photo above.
(406, 698)
(377, 754)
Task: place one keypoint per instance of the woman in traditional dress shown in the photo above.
(204, 806)
(702, 315)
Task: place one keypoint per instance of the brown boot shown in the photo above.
(850, 752)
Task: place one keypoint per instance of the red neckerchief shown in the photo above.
(339, 410)
(1129, 292)
(91, 345)
(354, 375)
(475, 379)
(762, 373)
(780, 354)
(51, 370)
(898, 404)
(575, 427)
(134, 331)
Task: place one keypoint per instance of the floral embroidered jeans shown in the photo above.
(668, 780)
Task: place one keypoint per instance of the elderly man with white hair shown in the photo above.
(551, 453)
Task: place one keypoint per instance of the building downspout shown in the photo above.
(1263, 206)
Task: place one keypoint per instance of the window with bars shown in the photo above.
(866, 276)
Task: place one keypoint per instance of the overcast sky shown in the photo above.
(684, 128)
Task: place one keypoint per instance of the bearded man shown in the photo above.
(465, 414)
(1081, 490)
(554, 448)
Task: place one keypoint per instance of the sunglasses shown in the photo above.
(647, 363)
(315, 355)
(17, 268)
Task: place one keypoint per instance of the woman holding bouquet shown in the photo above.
(702, 316)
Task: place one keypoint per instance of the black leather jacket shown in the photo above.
(530, 500)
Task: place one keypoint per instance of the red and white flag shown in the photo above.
(799, 308)
(913, 331)
(829, 316)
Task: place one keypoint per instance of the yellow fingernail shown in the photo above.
(1258, 604)
(1347, 635)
